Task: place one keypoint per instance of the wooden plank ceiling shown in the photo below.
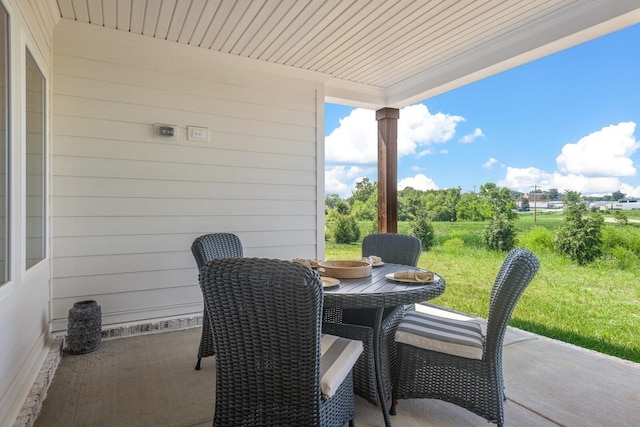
(396, 50)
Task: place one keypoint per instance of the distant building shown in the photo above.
(601, 205)
(555, 205)
(626, 204)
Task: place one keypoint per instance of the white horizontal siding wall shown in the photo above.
(25, 298)
(127, 205)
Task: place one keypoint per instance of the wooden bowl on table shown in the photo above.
(344, 269)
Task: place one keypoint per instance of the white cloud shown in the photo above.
(604, 153)
(584, 184)
(524, 179)
(469, 138)
(418, 127)
(591, 166)
(418, 182)
(489, 163)
(521, 179)
(342, 179)
(630, 191)
(355, 140)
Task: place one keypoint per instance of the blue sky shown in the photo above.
(567, 121)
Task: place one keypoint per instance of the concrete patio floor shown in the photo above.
(149, 380)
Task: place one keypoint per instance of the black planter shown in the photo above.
(84, 330)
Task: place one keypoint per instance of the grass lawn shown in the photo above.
(595, 306)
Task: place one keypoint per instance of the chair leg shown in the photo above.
(352, 423)
(198, 364)
(392, 410)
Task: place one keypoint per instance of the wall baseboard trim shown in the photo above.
(151, 327)
(32, 405)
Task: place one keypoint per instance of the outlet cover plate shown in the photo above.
(197, 133)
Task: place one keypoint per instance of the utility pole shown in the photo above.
(535, 205)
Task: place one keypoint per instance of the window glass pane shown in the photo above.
(4, 146)
(34, 180)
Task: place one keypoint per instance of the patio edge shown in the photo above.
(33, 403)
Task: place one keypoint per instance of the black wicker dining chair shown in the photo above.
(358, 323)
(393, 248)
(273, 364)
(205, 248)
(448, 358)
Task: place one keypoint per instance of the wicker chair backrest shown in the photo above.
(266, 321)
(393, 248)
(215, 245)
(517, 271)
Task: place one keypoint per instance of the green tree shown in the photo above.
(346, 229)
(498, 200)
(469, 208)
(580, 237)
(618, 195)
(422, 228)
(410, 204)
(342, 207)
(572, 200)
(442, 204)
(363, 191)
(524, 203)
(515, 195)
(363, 211)
(500, 233)
(331, 200)
(451, 200)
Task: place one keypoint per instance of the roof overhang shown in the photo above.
(370, 54)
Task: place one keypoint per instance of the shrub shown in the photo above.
(346, 230)
(613, 236)
(580, 237)
(499, 234)
(633, 239)
(625, 259)
(621, 217)
(422, 228)
(579, 241)
(617, 235)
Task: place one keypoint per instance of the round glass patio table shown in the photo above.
(384, 295)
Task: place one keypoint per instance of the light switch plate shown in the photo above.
(165, 132)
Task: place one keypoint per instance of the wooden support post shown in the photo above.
(388, 169)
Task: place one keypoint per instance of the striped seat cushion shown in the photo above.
(338, 357)
(439, 330)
